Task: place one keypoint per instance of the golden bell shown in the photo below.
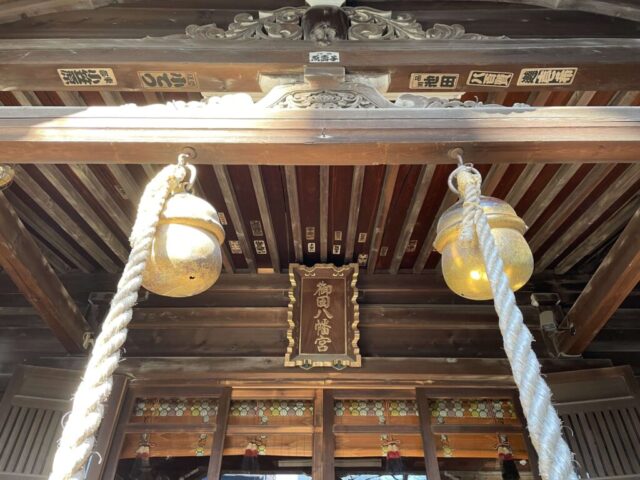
(185, 255)
(463, 265)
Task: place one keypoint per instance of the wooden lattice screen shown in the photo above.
(601, 413)
(31, 415)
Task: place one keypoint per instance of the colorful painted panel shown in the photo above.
(376, 412)
(191, 411)
(271, 412)
(483, 411)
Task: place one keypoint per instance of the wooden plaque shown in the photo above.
(323, 317)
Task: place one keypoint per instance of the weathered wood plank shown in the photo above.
(265, 215)
(419, 194)
(27, 267)
(398, 370)
(619, 187)
(391, 136)
(603, 64)
(618, 274)
(384, 202)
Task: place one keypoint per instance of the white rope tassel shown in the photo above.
(78, 436)
(545, 428)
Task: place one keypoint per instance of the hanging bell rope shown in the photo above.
(78, 436)
(544, 425)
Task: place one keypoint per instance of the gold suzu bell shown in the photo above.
(186, 257)
(463, 265)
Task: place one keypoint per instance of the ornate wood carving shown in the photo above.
(365, 23)
(323, 317)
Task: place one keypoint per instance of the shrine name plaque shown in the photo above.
(323, 317)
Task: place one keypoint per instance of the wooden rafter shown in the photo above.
(419, 194)
(624, 183)
(265, 215)
(226, 186)
(399, 136)
(384, 202)
(617, 275)
(28, 268)
(354, 211)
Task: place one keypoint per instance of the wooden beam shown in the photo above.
(229, 194)
(324, 212)
(62, 218)
(358, 137)
(624, 183)
(80, 204)
(270, 370)
(354, 212)
(19, 9)
(549, 192)
(265, 215)
(569, 204)
(44, 230)
(599, 236)
(427, 246)
(388, 186)
(419, 194)
(30, 271)
(616, 276)
(294, 211)
(603, 64)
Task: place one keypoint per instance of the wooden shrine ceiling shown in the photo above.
(382, 216)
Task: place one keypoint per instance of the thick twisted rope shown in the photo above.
(543, 423)
(78, 436)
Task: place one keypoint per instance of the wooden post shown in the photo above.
(32, 274)
(428, 443)
(616, 276)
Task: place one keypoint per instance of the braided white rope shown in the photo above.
(78, 436)
(543, 423)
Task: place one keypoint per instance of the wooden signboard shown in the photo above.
(323, 316)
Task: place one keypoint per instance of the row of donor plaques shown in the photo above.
(323, 316)
(183, 80)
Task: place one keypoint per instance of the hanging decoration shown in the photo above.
(486, 239)
(78, 436)
(462, 261)
(142, 469)
(391, 449)
(186, 258)
(507, 463)
(250, 462)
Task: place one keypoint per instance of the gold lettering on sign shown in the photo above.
(323, 316)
